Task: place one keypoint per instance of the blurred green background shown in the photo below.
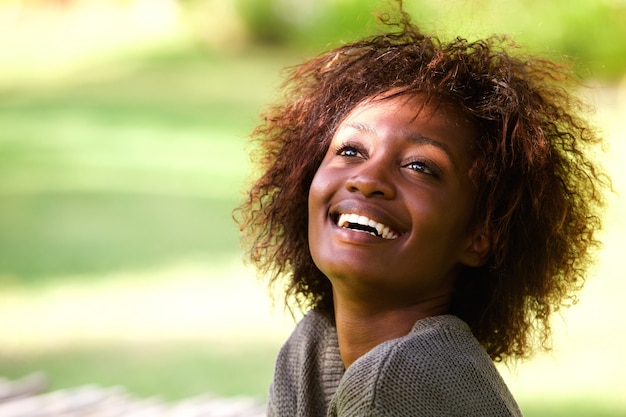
(123, 130)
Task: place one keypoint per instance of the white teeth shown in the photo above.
(383, 230)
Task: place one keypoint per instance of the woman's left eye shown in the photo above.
(420, 166)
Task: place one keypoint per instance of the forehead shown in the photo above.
(413, 111)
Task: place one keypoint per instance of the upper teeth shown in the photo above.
(383, 231)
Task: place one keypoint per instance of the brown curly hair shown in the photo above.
(538, 192)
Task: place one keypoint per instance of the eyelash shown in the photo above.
(425, 167)
(349, 146)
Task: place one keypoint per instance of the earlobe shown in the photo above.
(477, 250)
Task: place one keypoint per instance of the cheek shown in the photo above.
(316, 200)
(439, 217)
(320, 189)
(314, 195)
(321, 192)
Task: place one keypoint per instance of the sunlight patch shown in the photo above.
(186, 301)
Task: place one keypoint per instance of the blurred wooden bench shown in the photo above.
(28, 397)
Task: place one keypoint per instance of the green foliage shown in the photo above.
(265, 22)
(306, 24)
(590, 32)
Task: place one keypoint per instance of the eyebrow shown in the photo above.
(413, 137)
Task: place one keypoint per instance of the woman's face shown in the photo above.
(391, 203)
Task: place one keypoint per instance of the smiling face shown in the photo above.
(391, 204)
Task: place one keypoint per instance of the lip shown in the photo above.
(371, 211)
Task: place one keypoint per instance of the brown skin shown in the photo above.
(402, 163)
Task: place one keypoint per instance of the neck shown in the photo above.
(361, 328)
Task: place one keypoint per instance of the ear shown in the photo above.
(477, 249)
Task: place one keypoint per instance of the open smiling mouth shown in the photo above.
(366, 225)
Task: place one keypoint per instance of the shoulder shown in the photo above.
(438, 369)
(310, 332)
(313, 340)
(308, 369)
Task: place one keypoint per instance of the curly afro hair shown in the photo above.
(539, 193)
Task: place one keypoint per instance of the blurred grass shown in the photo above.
(118, 176)
(130, 167)
(166, 370)
(145, 329)
(130, 170)
(51, 235)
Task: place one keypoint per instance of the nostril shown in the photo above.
(370, 186)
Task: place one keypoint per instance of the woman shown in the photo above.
(429, 205)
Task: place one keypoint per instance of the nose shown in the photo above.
(372, 179)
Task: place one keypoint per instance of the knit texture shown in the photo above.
(438, 369)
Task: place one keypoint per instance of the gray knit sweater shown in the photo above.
(438, 369)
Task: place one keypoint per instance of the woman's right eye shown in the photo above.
(349, 151)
